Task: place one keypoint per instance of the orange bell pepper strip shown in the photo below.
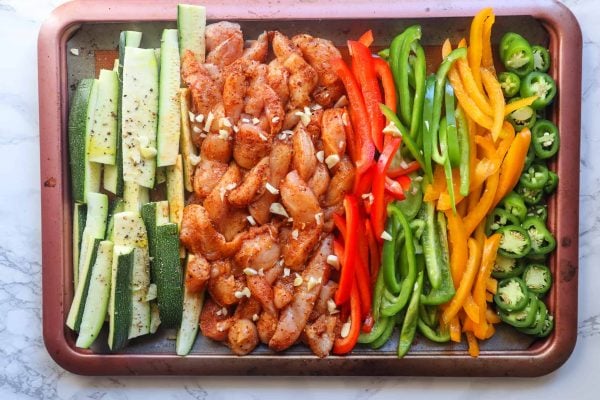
(488, 257)
(480, 235)
(366, 38)
(458, 247)
(462, 208)
(494, 90)
(492, 317)
(487, 58)
(489, 297)
(471, 309)
(468, 80)
(454, 327)
(485, 203)
(515, 105)
(466, 282)
(466, 102)
(490, 331)
(446, 48)
(513, 164)
(491, 285)
(473, 345)
(473, 199)
(475, 53)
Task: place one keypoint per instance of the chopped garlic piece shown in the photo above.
(332, 307)
(346, 329)
(261, 272)
(244, 292)
(236, 129)
(255, 317)
(224, 311)
(304, 118)
(298, 280)
(332, 160)
(231, 186)
(319, 218)
(209, 120)
(392, 129)
(222, 192)
(333, 260)
(345, 119)
(226, 122)
(223, 134)
(251, 220)
(277, 208)
(148, 152)
(262, 136)
(194, 159)
(250, 271)
(199, 118)
(245, 120)
(272, 189)
(255, 121)
(316, 107)
(286, 272)
(192, 116)
(196, 129)
(312, 282)
(386, 236)
(75, 52)
(342, 102)
(295, 234)
(275, 120)
(320, 155)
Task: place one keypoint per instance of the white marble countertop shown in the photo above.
(28, 372)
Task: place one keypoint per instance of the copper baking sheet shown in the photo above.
(93, 26)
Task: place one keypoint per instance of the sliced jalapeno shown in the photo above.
(530, 196)
(539, 211)
(545, 139)
(534, 177)
(541, 58)
(542, 241)
(514, 204)
(537, 278)
(511, 295)
(530, 157)
(505, 267)
(514, 242)
(510, 83)
(516, 53)
(539, 84)
(552, 182)
(539, 322)
(523, 117)
(524, 317)
(548, 326)
(499, 218)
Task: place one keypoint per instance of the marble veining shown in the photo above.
(27, 371)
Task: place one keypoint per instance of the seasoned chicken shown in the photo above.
(299, 201)
(197, 273)
(205, 93)
(252, 185)
(266, 325)
(320, 335)
(251, 145)
(223, 285)
(333, 132)
(341, 182)
(207, 175)
(319, 182)
(242, 337)
(304, 161)
(277, 78)
(299, 245)
(257, 51)
(224, 43)
(214, 323)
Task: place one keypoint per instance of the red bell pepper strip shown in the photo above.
(364, 149)
(340, 224)
(383, 71)
(362, 273)
(366, 38)
(378, 209)
(338, 250)
(374, 252)
(368, 323)
(363, 183)
(364, 72)
(344, 345)
(411, 167)
(394, 188)
(347, 273)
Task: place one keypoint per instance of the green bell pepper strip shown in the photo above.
(465, 152)
(438, 336)
(432, 248)
(420, 72)
(530, 196)
(516, 54)
(541, 58)
(444, 143)
(537, 278)
(394, 57)
(548, 326)
(385, 335)
(514, 204)
(452, 135)
(505, 267)
(427, 136)
(376, 331)
(391, 305)
(385, 53)
(545, 139)
(378, 295)
(439, 93)
(538, 323)
(426, 316)
(411, 204)
(510, 83)
(498, 218)
(552, 182)
(542, 241)
(514, 241)
(512, 294)
(534, 177)
(522, 318)
(540, 84)
(524, 117)
(409, 326)
(388, 256)
(445, 291)
(411, 35)
(538, 210)
(406, 139)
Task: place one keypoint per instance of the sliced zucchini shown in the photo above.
(191, 23)
(154, 317)
(85, 175)
(169, 123)
(139, 116)
(95, 228)
(97, 297)
(192, 306)
(161, 175)
(116, 206)
(103, 137)
(135, 196)
(163, 239)
(79, 215)
(176, 191)
(189, 152)
(120, 307)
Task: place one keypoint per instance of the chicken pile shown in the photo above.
(271, 127)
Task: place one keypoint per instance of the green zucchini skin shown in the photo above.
(120, 306)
